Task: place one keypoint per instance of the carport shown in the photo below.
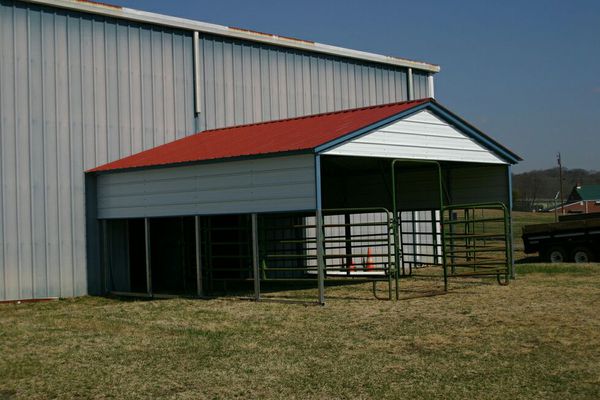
(370, 194)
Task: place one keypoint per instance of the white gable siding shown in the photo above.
(422, 136)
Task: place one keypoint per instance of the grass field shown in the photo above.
(537, 338)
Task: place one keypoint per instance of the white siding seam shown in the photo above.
(420, 146)
(2, 189)
(164, 205)
(57, 151)
(29, 160)
(199, 192)
(17, 175)
(44, 147)
(70, 138)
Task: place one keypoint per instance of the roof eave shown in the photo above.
(100, 170)
(499, 149)
(182, 23)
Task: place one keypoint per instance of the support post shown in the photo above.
(197, 78)
(510, 226)
(348, 238)
(430, 85)
(411, 87)
(319, 233)
(198, 237)
(148, 261)
(320, 256)
(105, 257)
(413, 221)
(396, 221)
(434, 237)
(255, 257)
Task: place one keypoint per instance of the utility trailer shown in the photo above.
(574, 238)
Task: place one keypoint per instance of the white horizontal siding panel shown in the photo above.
(422, 129)
(420, 136)
(384, 138)
(425, 117)
(413, 153)
(259, 185)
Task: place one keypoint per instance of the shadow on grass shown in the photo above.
(305, 292)
(528, 260)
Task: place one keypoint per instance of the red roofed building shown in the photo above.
(147, 154)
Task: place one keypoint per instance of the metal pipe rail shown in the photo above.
(477, 245)
(288, 251)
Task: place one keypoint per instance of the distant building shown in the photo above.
(583, 199)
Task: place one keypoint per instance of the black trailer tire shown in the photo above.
(555, 254)
(582, 255)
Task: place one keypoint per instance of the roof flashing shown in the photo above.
(239, 33)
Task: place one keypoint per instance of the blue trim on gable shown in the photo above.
(370, 128)
(441, 112)
(475, 134)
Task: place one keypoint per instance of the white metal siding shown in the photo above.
(420, 85)
(245, 82)
(76, 91)
(258, 185)
(422, 136)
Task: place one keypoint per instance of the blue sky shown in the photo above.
(525, 72)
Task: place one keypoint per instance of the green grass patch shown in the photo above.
(563, 268)
(534, 339)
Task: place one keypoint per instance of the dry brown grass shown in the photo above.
(537, 338)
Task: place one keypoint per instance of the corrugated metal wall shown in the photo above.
(258, 185)
(420, 85)
(76, 91)
(79, 90)
(245, 82)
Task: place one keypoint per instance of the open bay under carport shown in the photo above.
(365, 194)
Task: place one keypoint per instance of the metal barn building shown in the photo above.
(217, 154)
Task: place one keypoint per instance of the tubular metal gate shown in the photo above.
(420, 240)
(358, 246)
(476, 240)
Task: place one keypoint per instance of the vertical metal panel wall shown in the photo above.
(420, 84)
(247, 82)
(76, 91)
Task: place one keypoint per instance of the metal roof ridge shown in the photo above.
(240, 33)
(309, 116)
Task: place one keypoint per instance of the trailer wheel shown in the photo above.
(583, 255)
(555, 255)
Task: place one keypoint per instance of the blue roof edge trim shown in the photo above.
(370, 128)
(441, 112)
(475, 133)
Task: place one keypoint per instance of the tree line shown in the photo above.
(530, 188)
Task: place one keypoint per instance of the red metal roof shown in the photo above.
(287, 135)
